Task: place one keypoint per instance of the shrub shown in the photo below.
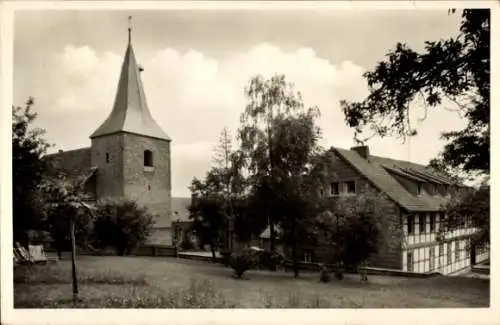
(324, 275)
(121, 224)
(186, 243)
(242, 262)
(269, 260)
(226, 257)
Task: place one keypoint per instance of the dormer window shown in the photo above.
(419, 188)
(148, 158)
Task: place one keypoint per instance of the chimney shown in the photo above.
(61, 151)
(363, 151)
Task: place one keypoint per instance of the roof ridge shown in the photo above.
(400, 160)
(66, 151)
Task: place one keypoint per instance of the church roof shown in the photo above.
(130, 111)
(72, 163)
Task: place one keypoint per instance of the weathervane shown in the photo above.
(129, 28)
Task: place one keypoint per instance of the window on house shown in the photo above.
(409, 261)
(148, 158)
(334, 188)
(448, 253)
(457, 250)
(107, 157)
(419, 188)
(441, 249)
(421, 223)
(351, 187)
(431, 258)
(308, 256)
(411, 222)
(432, 222)
(442, 222)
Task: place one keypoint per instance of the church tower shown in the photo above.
(132, 152)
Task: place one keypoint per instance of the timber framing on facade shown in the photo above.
(418, 194)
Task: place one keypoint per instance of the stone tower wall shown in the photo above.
(109, 177)
(150, 186)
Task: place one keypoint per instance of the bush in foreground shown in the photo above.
(121, 224)
(242, 261)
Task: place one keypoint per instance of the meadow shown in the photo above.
(152, 282)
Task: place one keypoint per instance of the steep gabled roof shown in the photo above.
(130, 111)
(72, 163)
(266, 234)
(180, 208)
(179, 212)
(377, 170)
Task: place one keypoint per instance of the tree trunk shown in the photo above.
(212, 247)
(273, 239)
(294, 250)
(73, 259)
(272, 267)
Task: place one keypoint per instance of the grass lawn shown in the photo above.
(147, 282)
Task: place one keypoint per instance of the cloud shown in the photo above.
(83, 80)
(192, 96)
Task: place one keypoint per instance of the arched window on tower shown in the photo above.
(148, 158)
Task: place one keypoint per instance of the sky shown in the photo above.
(197, 64)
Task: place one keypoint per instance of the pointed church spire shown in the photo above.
(129, 29)
(130, 111)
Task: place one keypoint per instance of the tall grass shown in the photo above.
(142, 286)
(50, 288)
(198, 294)
(50, 274)
(106, 289)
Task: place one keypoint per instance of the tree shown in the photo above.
(65, 200)
(267, 99)
(456, 71)
(224, 162)
(248, 221)
(471, 207)
(355, 228)
(207, 208)
(57, 223)
(28, 147)
(122, 224)
(294, 145)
